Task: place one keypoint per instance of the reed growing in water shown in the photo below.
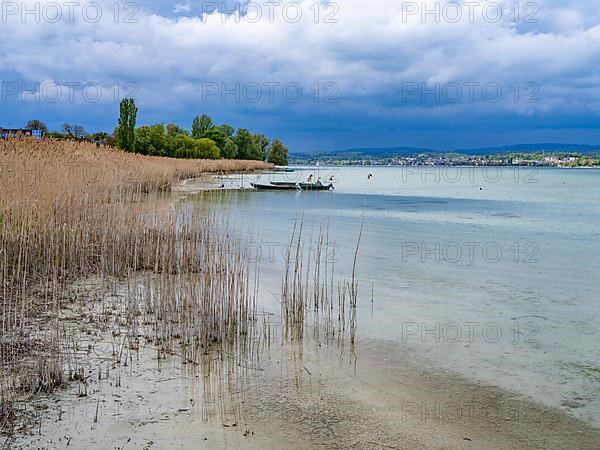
(310, 284)
(70, 211)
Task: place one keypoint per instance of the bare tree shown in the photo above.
(74, 131)
(35, 124)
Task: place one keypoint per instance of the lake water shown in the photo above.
(492, 273)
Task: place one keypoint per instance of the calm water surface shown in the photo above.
(492, 273)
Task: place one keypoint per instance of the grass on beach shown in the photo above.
(71, 210)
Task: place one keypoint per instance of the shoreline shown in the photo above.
(212, 181)
(290, 395)
(295, 395)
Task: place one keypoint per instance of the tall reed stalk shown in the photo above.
(70, 210)
(308, 284)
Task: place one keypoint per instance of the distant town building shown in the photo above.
(6, 133)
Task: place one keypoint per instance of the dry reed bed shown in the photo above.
(70, 210)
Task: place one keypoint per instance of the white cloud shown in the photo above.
(372, 49)
(183, 8)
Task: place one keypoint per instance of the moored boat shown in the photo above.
(284, 183)
(316, 187)
(289, 186)
(274, 187)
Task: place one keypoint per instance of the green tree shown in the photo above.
(247, 145)
(175, 130)
(201, 125)
(196, 130)
(227, 129)
(230, 150)
(126, 128)
(182, 144)
(188, 147)
(220, 135)
(206, 148)
(217, 136)
(263, 144)
(152, 140)
(278, 154)
(227, 147)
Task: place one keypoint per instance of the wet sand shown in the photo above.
(281, 395)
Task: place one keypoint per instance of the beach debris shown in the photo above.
(229, 425)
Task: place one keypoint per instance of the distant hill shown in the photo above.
(388, 150)
(530, 148)
(403, 150)
(379, 151)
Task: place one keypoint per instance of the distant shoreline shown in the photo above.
(299, 166)
(554, 158)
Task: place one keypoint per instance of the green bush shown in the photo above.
(188, 147)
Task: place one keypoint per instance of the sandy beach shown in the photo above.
(292, 395)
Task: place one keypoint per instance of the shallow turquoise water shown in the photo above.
(492, 273)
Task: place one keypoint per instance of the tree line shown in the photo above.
(204, 140)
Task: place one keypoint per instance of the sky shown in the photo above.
(319, 76)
